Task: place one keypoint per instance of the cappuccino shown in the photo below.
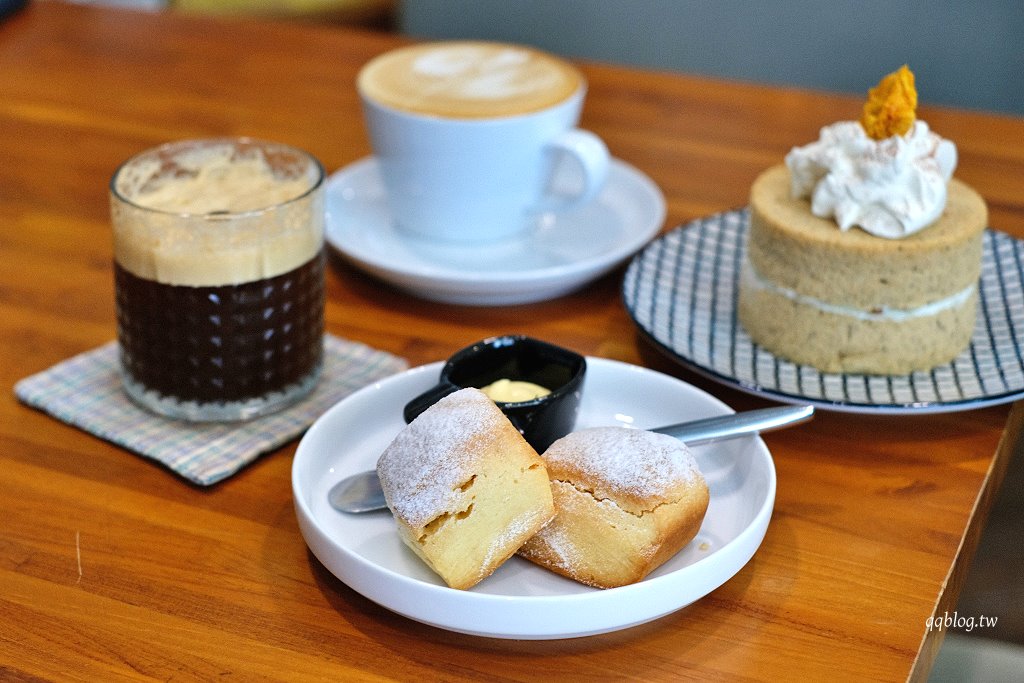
(468, 80)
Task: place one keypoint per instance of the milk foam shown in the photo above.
(218, 214)
(473, 73)
(468, 79)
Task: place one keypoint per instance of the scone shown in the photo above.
(626, 500)
(465, 487)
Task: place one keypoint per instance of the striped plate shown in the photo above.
(681, 291)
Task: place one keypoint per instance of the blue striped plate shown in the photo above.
(681, 291)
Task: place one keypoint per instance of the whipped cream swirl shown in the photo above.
(890, 188)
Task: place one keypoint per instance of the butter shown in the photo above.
(514, 391)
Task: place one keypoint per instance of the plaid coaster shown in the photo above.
(85, 391)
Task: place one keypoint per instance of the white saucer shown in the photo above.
(560, 253)
(521, 600)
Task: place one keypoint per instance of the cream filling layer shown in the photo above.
(750, 278)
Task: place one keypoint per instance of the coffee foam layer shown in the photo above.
(468, 79)
(214, 216)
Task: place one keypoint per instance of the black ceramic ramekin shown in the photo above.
(541, 420)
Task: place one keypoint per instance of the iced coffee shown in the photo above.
(219, 277)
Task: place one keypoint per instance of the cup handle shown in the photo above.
(590, 155)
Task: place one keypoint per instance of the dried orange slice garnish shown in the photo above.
(890, 107)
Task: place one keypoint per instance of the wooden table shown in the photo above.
(113, 568)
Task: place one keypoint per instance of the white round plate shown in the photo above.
(521, 600)
(560, 252)
(681, 291)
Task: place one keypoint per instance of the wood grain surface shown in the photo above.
(112, 568)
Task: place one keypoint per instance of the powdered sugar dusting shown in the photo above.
(564, 553)
(422, 469)
(502, 546)
(629, 461)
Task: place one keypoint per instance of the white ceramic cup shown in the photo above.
(482, 162)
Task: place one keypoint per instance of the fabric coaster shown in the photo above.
(85, 391)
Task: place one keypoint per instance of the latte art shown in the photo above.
(479, 73)
(468, 80)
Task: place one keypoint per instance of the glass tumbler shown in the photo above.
(219, 277)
